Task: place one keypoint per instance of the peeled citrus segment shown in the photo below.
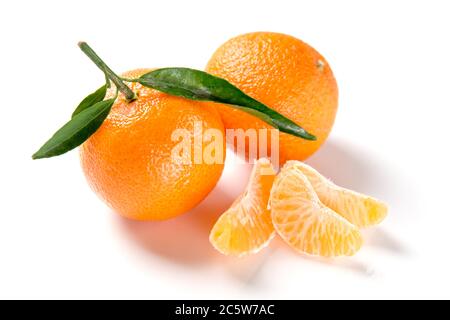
(359, 209)
(305, 223)
(246, 227)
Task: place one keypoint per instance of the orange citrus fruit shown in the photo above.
(287, 75)
(246, 227)
(128, 160)
(359, 209)
(305, 223)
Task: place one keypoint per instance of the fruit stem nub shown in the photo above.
(122, 87)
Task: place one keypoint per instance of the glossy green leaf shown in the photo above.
(76, 131)
(199, 85)
(90, 100)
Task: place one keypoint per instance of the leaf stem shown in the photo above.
(122, 87)
(129, 80)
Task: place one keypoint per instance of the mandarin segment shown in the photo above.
(359, 209)
(246, 227)
(305, 223)
(287, 75)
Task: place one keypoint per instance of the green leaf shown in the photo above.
(199, 85)
(76, 131)
(91, 99)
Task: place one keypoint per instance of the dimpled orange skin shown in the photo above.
(287, 75)
(128, 161)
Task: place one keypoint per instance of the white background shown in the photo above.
(390, 140)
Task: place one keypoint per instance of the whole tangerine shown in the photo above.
(287, 75)
(128, 161)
